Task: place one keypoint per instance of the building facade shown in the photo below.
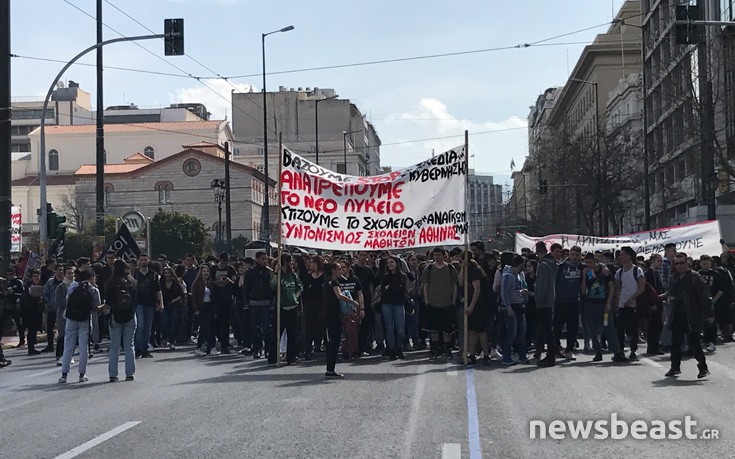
(182, 183)
(346, 139)
(485, 206)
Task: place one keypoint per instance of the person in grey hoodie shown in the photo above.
(545, 299)
(566, 308)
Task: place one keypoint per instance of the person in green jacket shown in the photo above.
(291, 289)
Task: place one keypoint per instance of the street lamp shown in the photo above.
(219, 189)
(266, 204)
(344, 145)
(603, 223)
(316, 122)
(646, 159)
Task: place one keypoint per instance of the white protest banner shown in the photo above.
(419, 206)
(694, 239)
(16, 230)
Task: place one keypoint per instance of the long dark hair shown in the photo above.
(120, 273)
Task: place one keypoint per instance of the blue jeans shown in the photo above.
(412, 325)
(170, 323)
(394, 317)
(75, 331)
(126, 333)
(260, 328)
(593, 316)
(515, 335)
(144, 317)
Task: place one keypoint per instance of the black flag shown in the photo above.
(57, 248)
(124, 244)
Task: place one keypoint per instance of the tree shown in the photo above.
(76, 209)
(176, 234)
(239, 243)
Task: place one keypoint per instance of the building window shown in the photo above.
(53, 160)
(192, 167)
(164, 192)
(109, 189)
(149, 152)
(261, 151)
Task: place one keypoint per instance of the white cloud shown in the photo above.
(218, 99)
(492, 142)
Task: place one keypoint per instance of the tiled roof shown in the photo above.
(51, 180)
(174, 126)
(91, 169)
(138, 158)
(201, 145)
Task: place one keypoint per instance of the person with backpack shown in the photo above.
(598, 287)
(81, 301)
(630, 283)
(121, 294)
(61, 290)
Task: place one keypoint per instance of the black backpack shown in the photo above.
(80, 303)
(123, 307)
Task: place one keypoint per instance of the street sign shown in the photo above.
(135, 221)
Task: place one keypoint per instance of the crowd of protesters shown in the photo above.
(518, 306)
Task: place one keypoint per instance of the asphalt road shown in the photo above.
(229, 406)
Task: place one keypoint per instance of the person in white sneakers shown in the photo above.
(81, 300)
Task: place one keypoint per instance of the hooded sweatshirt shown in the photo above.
(569, 283)
(510, 288)
(546, 283)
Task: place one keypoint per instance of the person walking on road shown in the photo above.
(81, 300)
(121, 294)
(691, 309)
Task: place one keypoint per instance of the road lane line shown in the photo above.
(97, 440)
(473, 424)
(451, 451)
(650, 362)
(413, 418)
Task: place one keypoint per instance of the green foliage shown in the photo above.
(176, 234)
(78, 245)
(239, 243)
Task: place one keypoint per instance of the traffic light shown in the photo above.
(54, 223)
(174, 40)
(543, 186)
(684, 32)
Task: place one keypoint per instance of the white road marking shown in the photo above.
(650, 362)
(413, 418)
(451, 451)
(97, 440)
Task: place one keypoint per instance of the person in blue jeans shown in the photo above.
(149, 301)
(513, 296)
(394, 286)
(121, 293)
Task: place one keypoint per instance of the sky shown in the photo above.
(487, 93)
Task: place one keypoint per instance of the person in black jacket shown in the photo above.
(12, 291)
(655, 321)
(31, 306)
(394, 288)
(121, 291)
(258, 295)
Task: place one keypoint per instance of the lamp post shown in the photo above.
(316, 122)
(266, 203)
(646, 158)
(219, 189)
(344, 145)
(603, 222)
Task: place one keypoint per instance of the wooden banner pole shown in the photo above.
(465, 348)
(280, 253)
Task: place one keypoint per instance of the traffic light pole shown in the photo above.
(42, 152)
